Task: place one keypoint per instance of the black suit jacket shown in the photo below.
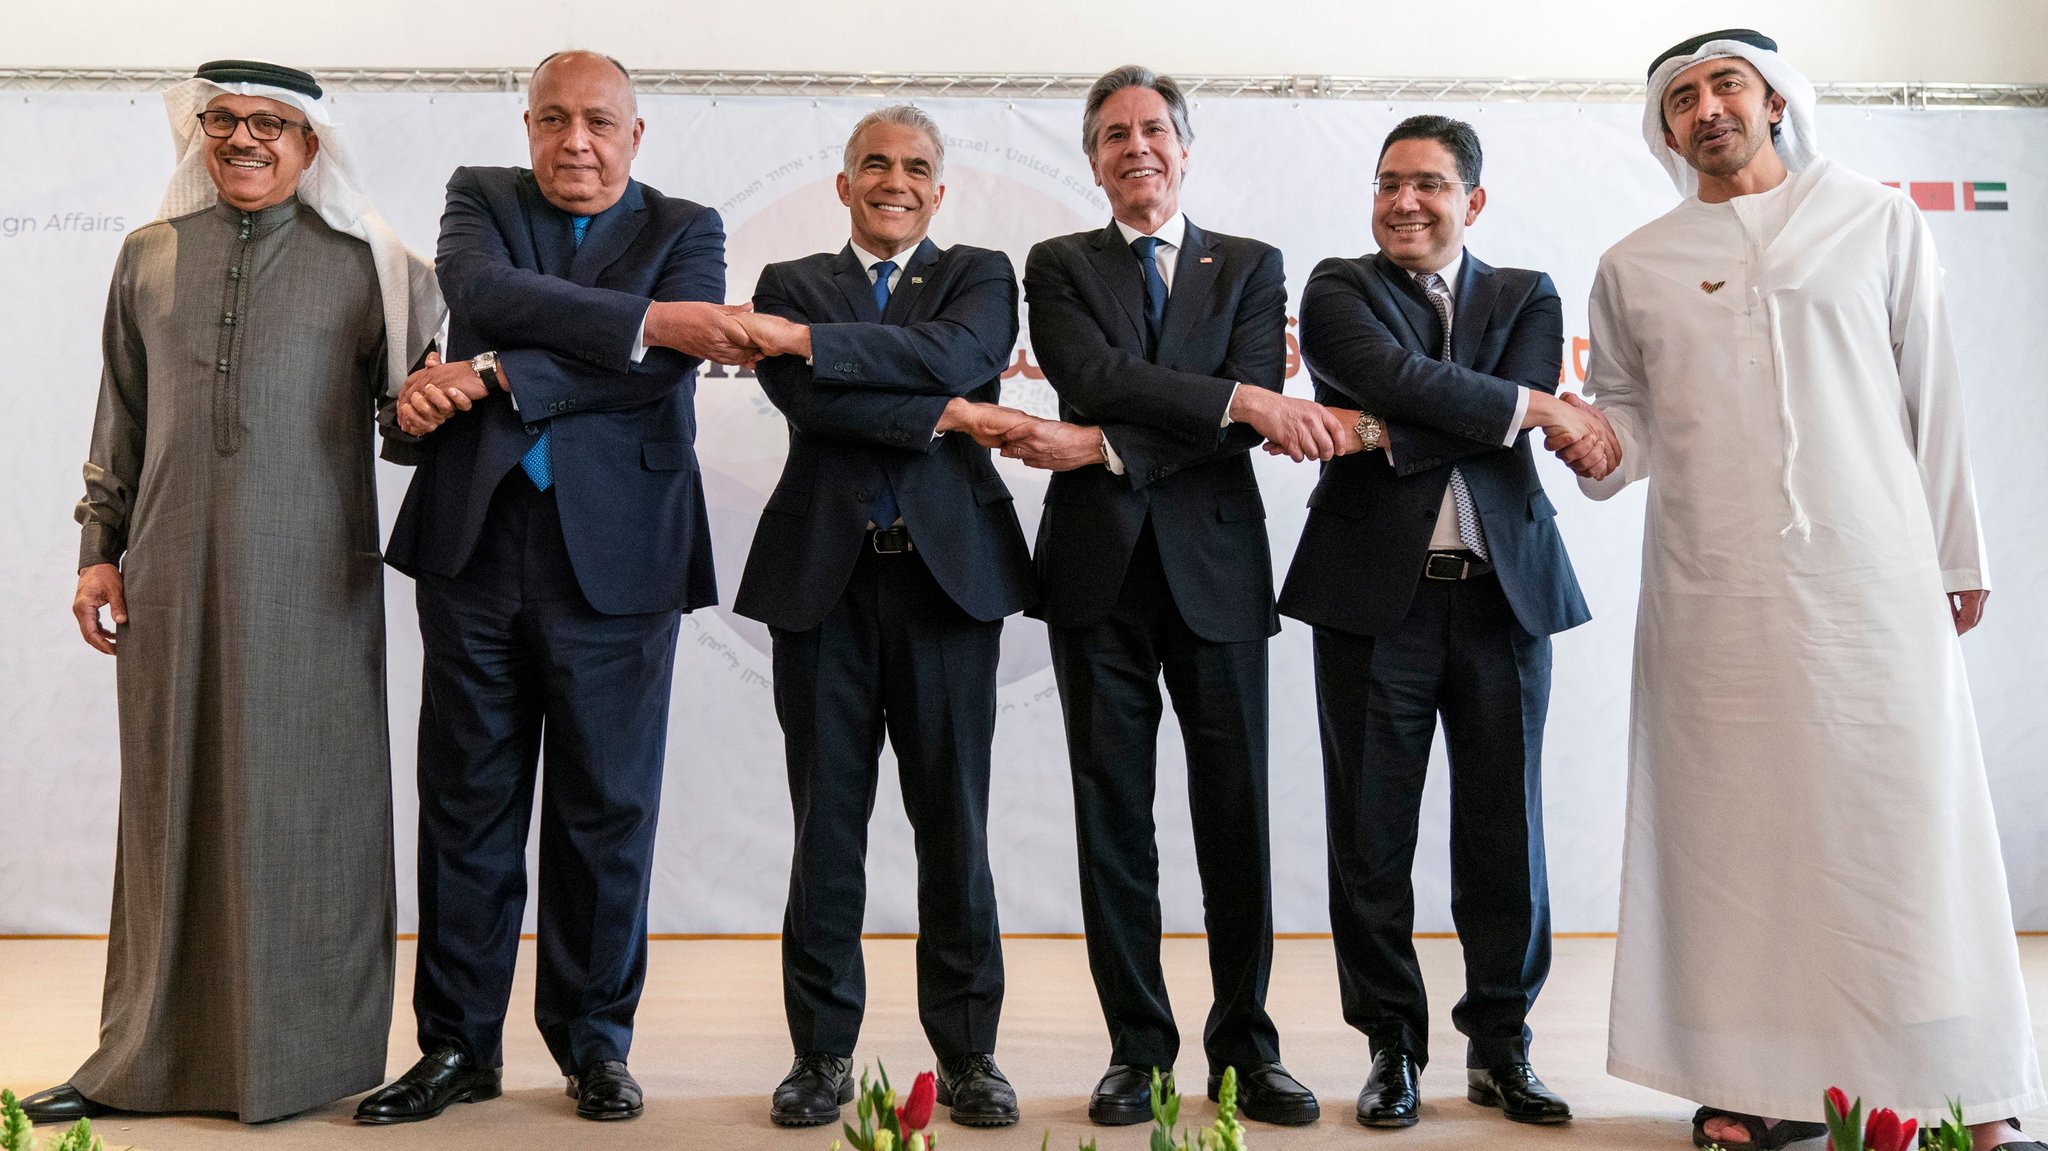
(866, 407)
(1370, 337)
(1226, 323)
(563, 319)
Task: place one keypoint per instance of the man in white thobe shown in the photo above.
(1812, 891)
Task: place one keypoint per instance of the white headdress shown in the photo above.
(1795, 139)
(412, 299)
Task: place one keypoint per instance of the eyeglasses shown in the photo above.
(262, 125)
(1426, 188)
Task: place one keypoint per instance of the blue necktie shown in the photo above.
(1155, 289)
(539, 460)
(884, 512)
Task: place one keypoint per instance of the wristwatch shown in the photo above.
(485, 365)
(1371, 432)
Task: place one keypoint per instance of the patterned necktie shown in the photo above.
(884, 511)
(1461, 496)
(1147, 249)
(539, 460)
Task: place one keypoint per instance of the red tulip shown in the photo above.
(1884, 1132)
(916, 1111)
(1842, 1118)
(1839, 1100)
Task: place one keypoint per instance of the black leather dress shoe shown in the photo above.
(811, 1093)
(975, 1091)
(1514, 1088)
(1123, 1096)
(61, 1105)
(604, 1089)
(443, 1077)
(1270, 1095)
(1390, 1097)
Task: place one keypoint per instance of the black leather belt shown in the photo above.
(890, 541)
(1454, 566)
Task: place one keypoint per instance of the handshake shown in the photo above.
(721, 333)
(1576, 431)
(736, 334)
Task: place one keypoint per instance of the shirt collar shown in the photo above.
(1171, 233)
(868, 259)
(1450, 274)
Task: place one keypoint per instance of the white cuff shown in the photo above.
(1521, 413)
(1227, 421)
(640, 337)
(1114, 462)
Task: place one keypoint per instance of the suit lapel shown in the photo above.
(855, 287)
(1121, 274)
(1473, 310)
(910, 284)
(554, 244)
(1425, 330)
(1194, 277)
(607, 236)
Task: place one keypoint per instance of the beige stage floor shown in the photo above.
(711, 1044)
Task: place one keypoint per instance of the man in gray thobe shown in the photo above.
(230, 529)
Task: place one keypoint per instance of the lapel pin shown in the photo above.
(1208, 260)
(917, 279)
(1711, 288)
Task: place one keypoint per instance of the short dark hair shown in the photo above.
(1456, 136)
(1134, 76)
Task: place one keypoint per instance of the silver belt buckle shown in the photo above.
(891, 541)
(1450, 564)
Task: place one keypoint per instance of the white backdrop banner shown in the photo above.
(1564, 182)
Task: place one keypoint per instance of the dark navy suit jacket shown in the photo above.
(563, 319)
(1370, 337)
(865, 408)
(1226, 322)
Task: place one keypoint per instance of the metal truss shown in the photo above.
(1036, 85)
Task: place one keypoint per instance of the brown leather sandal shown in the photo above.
(1763, 1136)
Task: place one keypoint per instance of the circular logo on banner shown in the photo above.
(742, 462)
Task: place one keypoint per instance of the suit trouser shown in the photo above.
(1108, 675)
(520, 666)
(895, 656)
(1460, 653)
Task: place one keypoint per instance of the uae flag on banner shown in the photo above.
(1974, 201)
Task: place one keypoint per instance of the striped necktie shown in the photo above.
(1461, 496)
(539, 460)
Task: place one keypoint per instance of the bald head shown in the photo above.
(583, 57)
(583, 130)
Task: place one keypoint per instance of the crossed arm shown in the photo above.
(1437, 412)
(898, 386)
(559, 342)
(1158, 419)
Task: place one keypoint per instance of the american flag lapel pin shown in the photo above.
(1208, 260)
(917, 279)
(1711, 287)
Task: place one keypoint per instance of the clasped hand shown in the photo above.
(1578, 433)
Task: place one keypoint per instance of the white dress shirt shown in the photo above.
(1445, 536)
(1167, 256)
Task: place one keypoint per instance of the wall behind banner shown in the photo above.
(1564, 182)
